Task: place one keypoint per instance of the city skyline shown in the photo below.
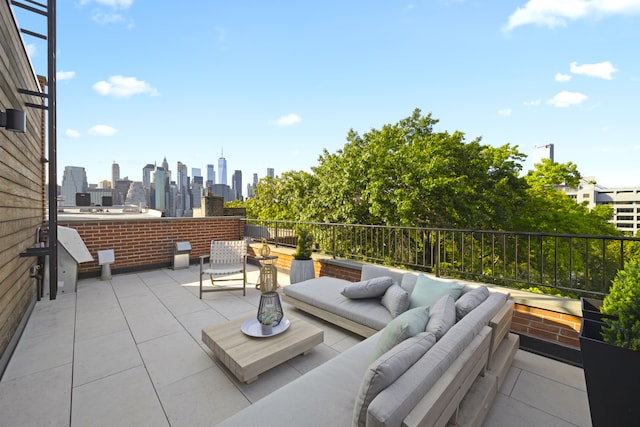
(274, 87)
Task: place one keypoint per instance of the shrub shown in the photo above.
(623, 303)
(304, 244)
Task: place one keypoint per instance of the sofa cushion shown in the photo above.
(324, 293)
(371, 288)
(406, 325)
(387, 368)
(370, 271)
(442, 316)
(470, 300)
(395, 299)
(409, 282)
(428, 291)
(395, 402)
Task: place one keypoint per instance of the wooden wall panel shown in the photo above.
(21, 196)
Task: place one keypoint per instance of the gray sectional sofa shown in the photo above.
(430, 378)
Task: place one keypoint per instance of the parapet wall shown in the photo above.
(148, 243)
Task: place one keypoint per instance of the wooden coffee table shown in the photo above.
(247, 357)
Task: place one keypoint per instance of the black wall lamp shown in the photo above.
(13, 120)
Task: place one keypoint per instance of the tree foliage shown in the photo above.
(409, 174)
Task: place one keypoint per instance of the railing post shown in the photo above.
(333, 241)
(437, 253)
(276, 234)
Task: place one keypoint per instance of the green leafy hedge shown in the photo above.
(623, 303)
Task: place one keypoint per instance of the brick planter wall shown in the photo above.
(559, 328)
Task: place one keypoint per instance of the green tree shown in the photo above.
(285, 197)
(407, 174)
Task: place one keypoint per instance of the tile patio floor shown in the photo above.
(128, 352)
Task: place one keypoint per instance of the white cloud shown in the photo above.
(553, 13)
(602, 70)
(505, 112)
(124, 87)
(103, 130)
(71, 133)
(288, 120)
(65, 75)
(533, 103)
(116, 4)
(566, 99)
(107, 18)
(562, 77)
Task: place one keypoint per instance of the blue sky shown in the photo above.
(273, 83)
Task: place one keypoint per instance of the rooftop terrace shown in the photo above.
(129, 352)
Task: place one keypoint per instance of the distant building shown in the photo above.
(115, 173)
(211, 176)
(74, 180)
(223, 191)
(270, 173)
(625, 202)
(542, 152)
(222, 170)
(236, 184)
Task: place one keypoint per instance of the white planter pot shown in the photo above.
(301, 270)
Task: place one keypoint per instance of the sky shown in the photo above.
(271, 84)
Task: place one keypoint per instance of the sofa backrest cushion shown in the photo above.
(442, 316)
(386, 369)
(409, 282)
(470, 300)
(428, 291)
(396, 300)
(408, 324)
(370, 288)
(370, 271)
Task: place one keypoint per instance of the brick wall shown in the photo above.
(559, 328)
(149, 242)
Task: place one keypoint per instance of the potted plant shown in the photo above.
(610, 349)
(302, 265)
(266, 324)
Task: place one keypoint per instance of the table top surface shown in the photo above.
(229, 340)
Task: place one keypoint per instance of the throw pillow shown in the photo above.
(371, 288)
(442, 316)
(427, 291)
(388, 368)
(406, 325)
(396, 300)
(470, 300)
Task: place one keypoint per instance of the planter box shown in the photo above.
(591, 309)
(612, 376)
(301, 270)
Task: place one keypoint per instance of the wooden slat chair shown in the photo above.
(226, 258)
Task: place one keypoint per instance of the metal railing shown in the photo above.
(566, 264)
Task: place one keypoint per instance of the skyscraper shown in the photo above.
(74, 180)
(183, 202)
(270, 173)
(236, 184)
(222, 170)
(211, 176)
(115, 174)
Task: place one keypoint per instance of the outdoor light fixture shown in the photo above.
(13, 120)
